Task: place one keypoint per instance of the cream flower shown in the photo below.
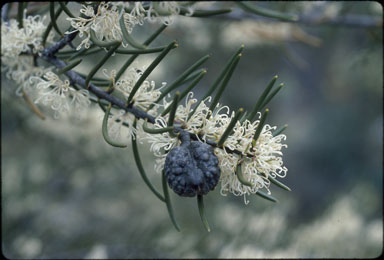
(59, 95)
(258, 162)
(15, 40)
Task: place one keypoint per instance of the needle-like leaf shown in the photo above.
(260, 127)
(69, 66)
(280, 130)
(127, 37)
(133, 57)
(200, 203)
(266, 196)
(156, 130)
(181, 78)
(168, 202)
(149, 70)
(224, 83)
(101, 63)
(261, 99)
(240, 176)
(54, 18)
(140, 167)
(231, 125)
(187, 90)
(266, 12)
(278, 184)
(106, 136)
(270, 96)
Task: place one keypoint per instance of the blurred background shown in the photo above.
(67, 194)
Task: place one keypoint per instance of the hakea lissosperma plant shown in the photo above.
(199, 145)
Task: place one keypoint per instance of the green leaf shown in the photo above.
(20, 14)
(230, 127)
(224, 84)
(266, 12)
(105, 130)
(127, 37)
(142, 51)
(149, 70)
(261, 99)
(187, 90)
(66, 10)
(270, 96)
(103, 44)
(172, 112)
(280, 130)
(278, 184)
(180, 79)
(260, 126)
(100, 64)
(266, 196)
(49, 27)
(207, 13)
(200, 203)
(224, 72)
(168, 202)
(133, 57)
(69, 66)
(240, 176)
(156, 130)
(54, 18)
(140, 167)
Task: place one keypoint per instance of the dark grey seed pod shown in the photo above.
(192, 169)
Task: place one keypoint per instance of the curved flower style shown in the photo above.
(61, 96)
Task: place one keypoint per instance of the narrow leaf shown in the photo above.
(156, 130)
(105, 130)
(270, 96)
(240, 176)
(200, 203)
(261, 99)
(280, 130)
(69, 66)
(266, 196)
(278, 184)
(54, 18)
(102, 43)
(187, 90)
(101, 63)
(172, 112)
(260, 126)
(168, 202)
(142, 51)
(149, 70)
(66, 10)
(224, 83)
(181, 78)
(266, 12)
(127, 37)
(230, 127)
(133, 57)
(20, 14)
(224, 72)
(140, 167)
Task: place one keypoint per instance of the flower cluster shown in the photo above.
(258, 161)
(27, 39)
(16, 46)
(145, 96)
(105, 21)
(59, 95)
